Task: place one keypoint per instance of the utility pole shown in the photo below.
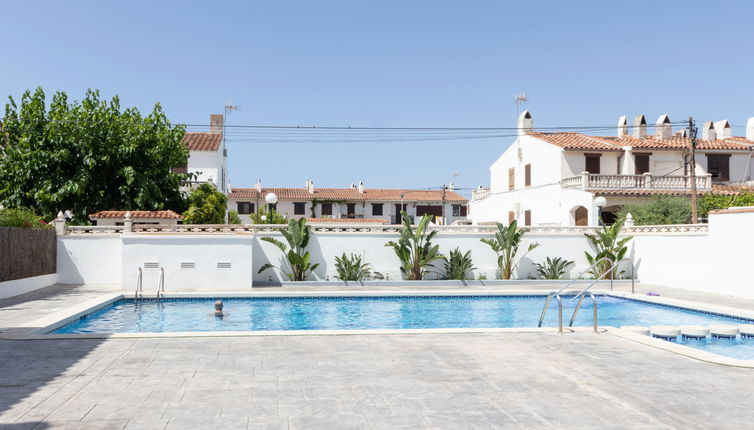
(692, 169)
(444, 188)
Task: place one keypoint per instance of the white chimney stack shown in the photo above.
(361, 187)
(708, 131)
(525, 123)
(310, 186)
(663, 127)
(452, 186)
(640, 127)
(216, 123)
(622, 126)
(258, 186)
(750, 128)
(722, 129)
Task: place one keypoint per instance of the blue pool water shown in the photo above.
(354, 313)
(741, 348)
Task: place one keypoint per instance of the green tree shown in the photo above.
(206, 206)
(659, 210)
(414, 248)
(709, 202)
(506, 242)
(297, 258)
(233, 218)
(88, 156)
(277, 217)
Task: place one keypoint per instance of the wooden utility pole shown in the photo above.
(692, 169)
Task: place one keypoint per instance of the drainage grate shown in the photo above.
(151, 265)
(188, 265)
(223, 264)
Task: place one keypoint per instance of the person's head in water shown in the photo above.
(219, 308)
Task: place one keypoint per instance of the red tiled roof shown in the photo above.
(345, 194)
(580, 141)
(577, 141)
(723, 190)
(197, 141)
(348, 220)
(138, 214)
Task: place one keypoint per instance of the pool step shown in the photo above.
(693, 331)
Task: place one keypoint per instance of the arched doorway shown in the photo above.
(581, 216)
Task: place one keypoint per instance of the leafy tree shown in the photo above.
(233, 218)
(24, 218)
(608, 250)
(277, 217)
(553, 268)
(458, 266)
(298, 260)
(506, 242)
(414, 248)
(709, 202)
(659, 210)
(88, 156)
(352, 268)
(206, 206)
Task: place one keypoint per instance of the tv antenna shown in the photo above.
(520, 100)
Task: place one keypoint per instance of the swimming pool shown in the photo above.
(358, 313)
(741, 348)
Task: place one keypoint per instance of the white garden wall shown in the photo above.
(89, 259)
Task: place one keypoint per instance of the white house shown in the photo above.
(355, 203)
(208, 157)
(554, 178)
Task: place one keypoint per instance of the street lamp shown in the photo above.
(600, 202)
(271, 199)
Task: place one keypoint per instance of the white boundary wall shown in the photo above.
(717, 261)
(26, 285)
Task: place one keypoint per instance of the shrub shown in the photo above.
(206, 206)
(277, 217)
(709, 202)
(21, 217)
(298, 262)
(553, 268)
(352, 268)
(608, 248)
(233, 218)
(506, 242)
(414, 248)
(659, 210)
(458, 266)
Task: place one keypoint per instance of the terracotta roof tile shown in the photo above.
(577, 141)
(348, 220)
(197, 141)
(570, 140)
(138, 215)
(723, 190)
(369, 194)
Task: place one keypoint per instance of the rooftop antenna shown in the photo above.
(520, 100)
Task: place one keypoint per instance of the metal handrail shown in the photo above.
(633, 274)
(139, 289)
(161, 284)
(578, 277)
(594, 307)
(560, 310)
(602, 276)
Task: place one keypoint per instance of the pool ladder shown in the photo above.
(161, 284)
(581, 295)
(139, 293)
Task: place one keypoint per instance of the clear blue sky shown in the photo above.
(387, 64)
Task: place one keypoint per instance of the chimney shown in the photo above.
(708, 131)
(663, 127)
(640, 127)
(722, 129)
(525, 123)
(216, 123)
(258, 186)
(681, 133)
(310, 186)
(451, 186)
(622, 126)
(361, 187)
(750, 128)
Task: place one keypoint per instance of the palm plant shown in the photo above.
(297, 235)
(506, 243)
(414, 248)
(608, 250)
(458, 266)
(352, 268)
(553, 268)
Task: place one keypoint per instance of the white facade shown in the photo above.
(560, 191)
(208, 157)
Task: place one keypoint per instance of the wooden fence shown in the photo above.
(26, 252)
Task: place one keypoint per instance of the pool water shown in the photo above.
(356, 313)
(741, 348)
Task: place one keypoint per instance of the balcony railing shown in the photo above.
(628, 182)
(479, 193)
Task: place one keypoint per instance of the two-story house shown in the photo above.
(555, 178)
(355, 202)
(208, 157)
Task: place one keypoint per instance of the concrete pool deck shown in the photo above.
(480, 380)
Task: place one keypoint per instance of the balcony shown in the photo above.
(646, 181)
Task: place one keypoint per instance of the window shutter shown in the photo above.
(527, 175)
(527, 217)
(511, 178)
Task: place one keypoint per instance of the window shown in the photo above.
(351, 210)
(642, 163)
(245, 208)
(299, 208)
(326, 208)
(377, 209)
(592, 163)
(718, 165)
(527, 175)
(511, 217)
(456, 210)
(511, 178)
(527, 217)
